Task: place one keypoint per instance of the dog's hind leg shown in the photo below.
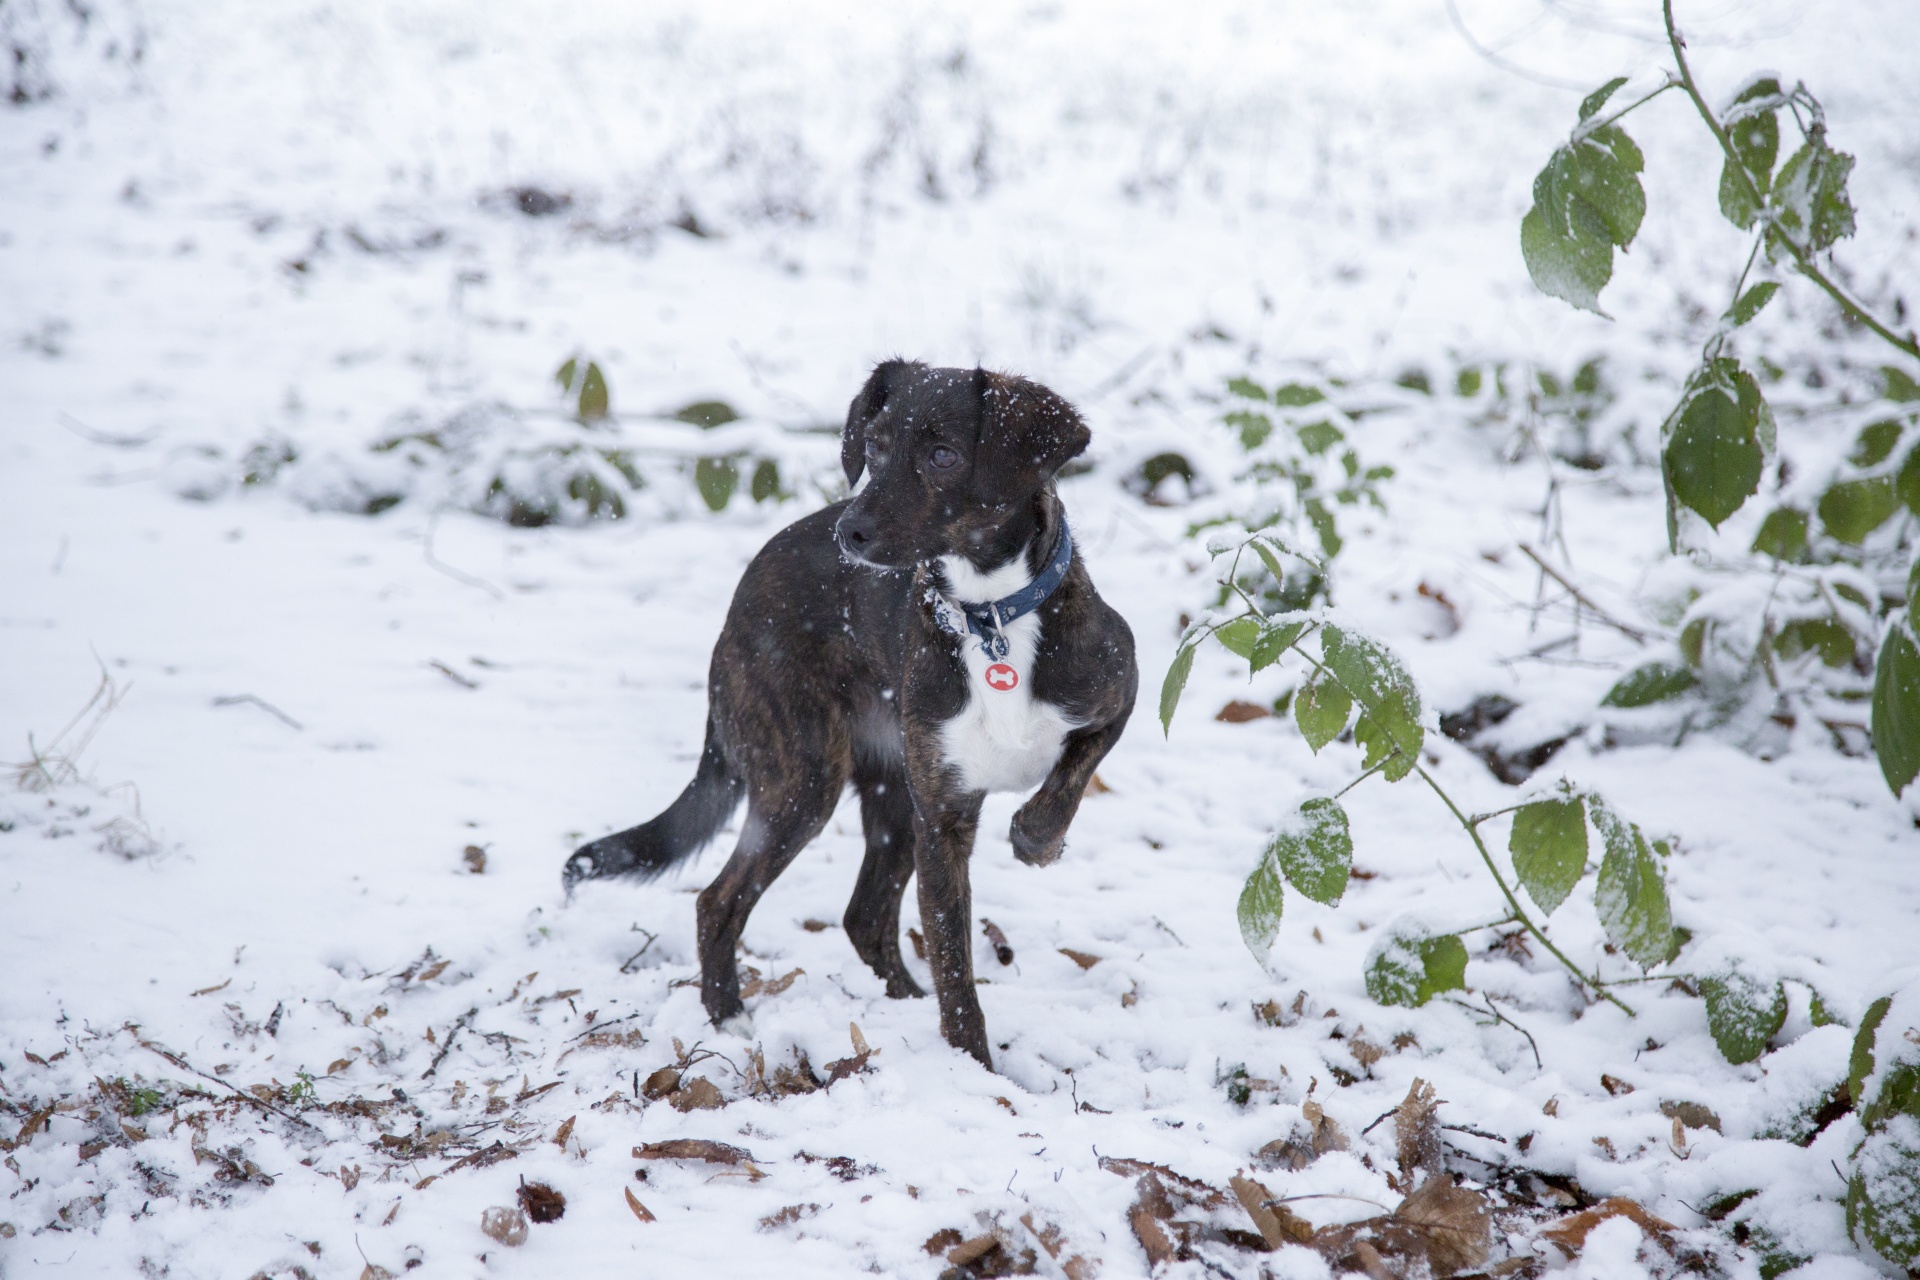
(873, 913)
(782, 816)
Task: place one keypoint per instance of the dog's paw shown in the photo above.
(740, 1024)
(1032, 848)
(583, 865)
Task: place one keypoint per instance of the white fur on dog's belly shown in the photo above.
(1003, 740)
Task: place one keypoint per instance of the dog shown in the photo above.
(930, 640)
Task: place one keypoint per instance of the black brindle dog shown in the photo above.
(931, 640)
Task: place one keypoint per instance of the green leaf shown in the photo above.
(1783, 534)
(593, 394)
(766, 480)
(706, 414)
(1645, 685)
(1875, 442)
(1716, 452)
(1820, 1013)
(1901, 388)
(1315, 850)
(1254, 427)
(1631, 894)
(1261, 900)
(564, 374)
(1466, 383)
(1754, 130)
(1896, 707)
(1247, 388)
(1176, 680)
(1321, 709)
(1386, 694)
(1743, 1013)
(1860, 1064)
(1323, 524)
(1271, 560)
(1883, 1197)
(1318, 437)
(1749, 304)
(1410, 966)
(1598, 98)
(1693, 640)
(1549, 846)
(1295, 396)
(1907, 483)
(716, 479)
(1586, 201)
(1852, 509)
(1829, 637)
(1275, 639)
(1811, 194)
(1240, 635)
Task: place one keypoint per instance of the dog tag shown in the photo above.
(1002, 677)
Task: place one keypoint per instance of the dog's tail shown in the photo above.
(643, 852)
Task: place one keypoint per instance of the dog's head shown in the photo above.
(956, 458)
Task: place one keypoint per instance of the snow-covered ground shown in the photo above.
(281, 1018)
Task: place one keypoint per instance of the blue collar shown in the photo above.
(987, 621)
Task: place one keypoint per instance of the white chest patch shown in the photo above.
(1004, 739)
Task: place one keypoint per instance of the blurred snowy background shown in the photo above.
(283, 294)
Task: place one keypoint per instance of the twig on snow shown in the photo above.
(1632, 633)
(446, 1046)
(236, 699)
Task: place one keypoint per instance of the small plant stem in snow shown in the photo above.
(1801, 257)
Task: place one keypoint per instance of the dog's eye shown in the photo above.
(942, 457)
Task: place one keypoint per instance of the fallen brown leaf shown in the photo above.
(1417, 1133)
(1238, 712)
(942, 1240)
(697, 1094)
(1570, 1233)
(660, 1084)
(1002, 949)
(508, 1226)
(1691, 1114)
(640, 1211)
(1097, 787)
(758, 986)
(476, 859)
(204, 991)
(1277, 1224)
(789, 1215)
(542, 1202)
(1085, 960)
(564, 1132)
(968, 1251)
(1450, 1225)
(1615, 1085)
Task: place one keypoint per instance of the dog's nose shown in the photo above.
(856, 531)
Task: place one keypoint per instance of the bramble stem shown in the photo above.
(1586, 127)
(1520, 916)
(1802, 259)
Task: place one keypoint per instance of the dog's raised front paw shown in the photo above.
(1031, 848)
(583, 865)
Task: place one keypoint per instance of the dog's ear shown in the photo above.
(866, 406)
(1026, 434)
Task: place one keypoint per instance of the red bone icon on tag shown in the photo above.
(1002, 677)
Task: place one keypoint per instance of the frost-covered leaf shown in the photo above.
(1386, 694)
(1828, 637)
(1743, 1013)
(1275, 639)
(1717, 450)
(1176, 681)
(1782, 535)
(1295, 396)
(1631, 893)
(1883, 1193)
(1906, 483)
(1586, 201)
(1896, 707)
(564, 375)
(1860, 1063)
(1321, 709)
(1591, 104)
(1408, 966)
(1271, 559)
(1247, 388)
(1875, 441)
(1261, 900)
(1240, 635)
(1811, 194)
(1754, 130)
(1852, 509)
(1650, 683)
(1749, 304)
(1315, 850)
(1900, 386)
(1254, 427)
(1324, 526)
(1549, 846)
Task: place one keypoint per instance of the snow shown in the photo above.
(290, 225)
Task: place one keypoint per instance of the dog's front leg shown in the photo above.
(1039, 829)
(943, 846)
